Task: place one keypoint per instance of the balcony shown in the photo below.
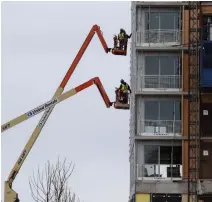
(159, 172)
(157, 37)
(160, 128)
(160, 83)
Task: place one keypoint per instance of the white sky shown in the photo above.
(39, 42)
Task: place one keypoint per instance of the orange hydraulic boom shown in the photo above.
(57, 100)
(10, 195)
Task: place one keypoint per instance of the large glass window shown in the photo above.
(161, 20)
(161, 27)
(162, 117)
(162, 110)
(162, 161)
(162, 71)
(154, 154)
(152, 66)
(207, 55)
(162, 65)
(151, 110)
(151, 154)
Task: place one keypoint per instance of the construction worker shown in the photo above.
(123, 38)
(123, 91)
(115, 40)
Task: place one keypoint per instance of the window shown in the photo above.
(162, 117)
(151, 110)
(152, 65)
(207, 55)
(151, 154)
(162, 110)
(162, 65)
(161, 20)
(166, 156)
(166, 110)
(162, 161)
(162, 71)
(162, 154)
(161, 27)
(207, 27)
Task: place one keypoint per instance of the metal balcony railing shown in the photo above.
(160, 127)
(155, 36)
(161, 81)
(159, 171)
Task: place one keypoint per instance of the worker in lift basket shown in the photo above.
(123, 91)
(123, 38)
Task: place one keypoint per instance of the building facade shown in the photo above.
(159, 123)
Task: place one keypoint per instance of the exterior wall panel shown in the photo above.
(184, 117)
(206, 160)
(185, 198)
(185, 28)
(185, 158)
(143, 198)
(206, 116)
(185, 73)
(207, 9)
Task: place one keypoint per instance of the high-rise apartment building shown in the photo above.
(171, 102)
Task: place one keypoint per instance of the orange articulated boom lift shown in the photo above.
(9, 194)
(57, 100)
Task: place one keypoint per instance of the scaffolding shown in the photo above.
(194, 100)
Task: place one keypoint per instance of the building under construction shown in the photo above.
(171, 102)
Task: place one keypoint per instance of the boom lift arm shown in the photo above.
(10, 195)
(8, 184)
(57, 100)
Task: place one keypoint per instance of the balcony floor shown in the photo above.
(164, 186)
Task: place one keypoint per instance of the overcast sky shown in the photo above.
(39, 42)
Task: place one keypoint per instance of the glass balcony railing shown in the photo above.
(161, 82)
(156, 171)
(160, 127)
(156, 36)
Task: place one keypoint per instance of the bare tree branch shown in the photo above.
(51, 185)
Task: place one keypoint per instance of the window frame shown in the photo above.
(159, 108)
(147, 21)
(159, 154)
(158, 57)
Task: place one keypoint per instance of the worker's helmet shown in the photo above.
(122, 81)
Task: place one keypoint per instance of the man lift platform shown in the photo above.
(120, 43)
(122, 102)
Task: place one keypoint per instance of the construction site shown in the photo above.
(171, 104)
(170, 101)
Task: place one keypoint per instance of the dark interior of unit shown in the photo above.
(205, 159)
(207, 23)
(207, 55)
(206, 198)
(166, 197)
(206, 119)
